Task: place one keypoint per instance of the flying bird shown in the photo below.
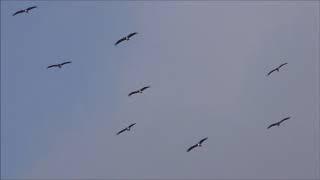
(126, 129)
(127, 38)
(199, 144)
(277, 69)
(139, 91)
(278, 123)
(58, 65)
(24, 10)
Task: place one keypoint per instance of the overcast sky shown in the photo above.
(206, 63)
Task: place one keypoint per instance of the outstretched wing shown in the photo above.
(132, 34)
(284, 119)
(134, 92)
(271, 71)
(132, 125)
(144, 88)
(190, 148)
(18, 12)
(32, 7)
(202, 140)
(65, 63)
(272, 125)
(120, 40)
(282, 65)
(52, 66)
(121, 131)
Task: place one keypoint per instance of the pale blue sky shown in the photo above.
(206, 63)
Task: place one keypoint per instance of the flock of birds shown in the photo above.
(127, 38)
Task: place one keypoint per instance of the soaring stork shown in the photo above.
(58, 65)
(126, 38)
(199, 144)
(276, 69)
(126, 129)
(278, 123)
(139, 91)
(24, 10)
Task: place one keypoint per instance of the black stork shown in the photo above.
(126, 38)
(276, 69)
(24, 10)
(278, 123)
(139, 91)
(126, 129)
(58, 65)
(199, 144)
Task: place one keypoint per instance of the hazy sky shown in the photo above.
(206, 63)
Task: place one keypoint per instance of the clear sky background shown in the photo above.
(206, 63)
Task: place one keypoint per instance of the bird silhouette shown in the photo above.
(138, 91)
(199, 144)
(126, 38)
(126, 129)
(24, 10)
(278, 123)
(58, 65)
(276, 69)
